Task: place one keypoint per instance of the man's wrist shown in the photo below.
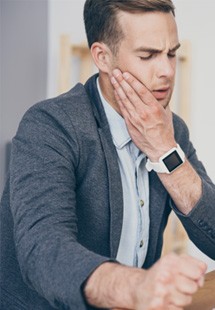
(168, 162)
(160, 151)
(112, 285)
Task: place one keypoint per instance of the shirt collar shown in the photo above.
(117, 124)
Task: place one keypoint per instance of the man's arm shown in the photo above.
(151, 128)
(168, 284)
(44, 157)
(184, 187)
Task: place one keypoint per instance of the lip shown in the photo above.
(161, 93)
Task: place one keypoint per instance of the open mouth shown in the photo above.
(161, 93)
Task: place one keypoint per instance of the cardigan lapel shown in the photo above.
(115, 191)
(158, 213)
(114, 179)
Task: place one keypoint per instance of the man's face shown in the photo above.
(148, 51)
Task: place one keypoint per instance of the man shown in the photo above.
(95, 173)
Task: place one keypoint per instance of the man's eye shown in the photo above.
(146, 57)
(172, 55)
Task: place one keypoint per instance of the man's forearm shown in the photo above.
(184, 186)
(111, 286)
(150, 125)
(171, 281)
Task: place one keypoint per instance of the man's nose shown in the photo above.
(166, 67)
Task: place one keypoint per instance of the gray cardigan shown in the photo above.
(62, 207)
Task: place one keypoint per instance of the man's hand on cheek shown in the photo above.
(148, 122)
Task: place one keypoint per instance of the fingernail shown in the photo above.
(113, 80)
(116, 72)
(125, 75)
(201, 282)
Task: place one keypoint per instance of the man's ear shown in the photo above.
(102, 56)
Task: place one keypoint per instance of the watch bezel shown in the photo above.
(162, 166)
(171, 166)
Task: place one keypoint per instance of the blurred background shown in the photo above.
(30, 33)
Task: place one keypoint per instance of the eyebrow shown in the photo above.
(155, 50)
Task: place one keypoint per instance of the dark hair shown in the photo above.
(100, 17)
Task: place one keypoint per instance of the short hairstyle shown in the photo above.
(101, 23)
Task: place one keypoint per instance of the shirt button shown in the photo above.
(141, 203)
(141, 243)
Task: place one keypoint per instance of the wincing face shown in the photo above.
(148, 51)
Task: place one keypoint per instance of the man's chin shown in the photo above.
(164, 102)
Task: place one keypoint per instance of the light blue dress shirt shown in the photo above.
(135, 184)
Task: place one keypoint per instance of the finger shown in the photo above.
(192, 267)
(133, 130)
(197, 261)
(166, 303)
(143, 92)
(121, 309)
(178, 299)
(173, 292)
(124, 110)
(171, 307)
(129, 113)
(168, 110)
(127, 95)
(185, 265)
(186, 285)
(201, 282)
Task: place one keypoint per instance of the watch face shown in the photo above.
(172, 161)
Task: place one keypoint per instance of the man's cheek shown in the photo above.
(142, 78)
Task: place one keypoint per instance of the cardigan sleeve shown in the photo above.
(200, 222)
